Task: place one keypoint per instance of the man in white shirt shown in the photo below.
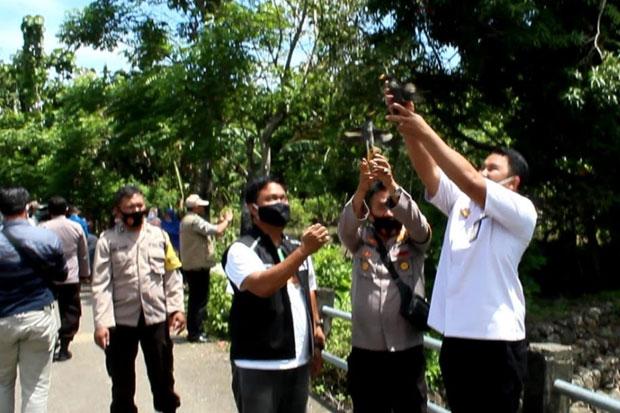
(477, 301)
(274, 318)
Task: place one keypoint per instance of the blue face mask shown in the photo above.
(278, 214)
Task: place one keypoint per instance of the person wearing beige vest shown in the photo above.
(137, 298)
(197, 255)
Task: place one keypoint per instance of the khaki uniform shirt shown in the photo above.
(377, 323)
(130, 277)
(74, 247)
(196, 239)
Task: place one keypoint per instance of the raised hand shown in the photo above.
(366, 177)
(226, 216)
(313, 238)
(382, 170)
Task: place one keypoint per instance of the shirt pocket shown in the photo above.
(157, 261)
(365, 262)
(121, 262)
(403, 264)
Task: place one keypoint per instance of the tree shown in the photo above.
(532, 64)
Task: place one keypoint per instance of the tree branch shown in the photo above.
(598, 28)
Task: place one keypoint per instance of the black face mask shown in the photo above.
(277, 215)
(133, 220)
(387, 226)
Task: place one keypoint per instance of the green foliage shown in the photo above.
(324, 208)
(334, 271)
(433, 371)
(218, 307)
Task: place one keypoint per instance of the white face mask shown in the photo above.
(506, 180)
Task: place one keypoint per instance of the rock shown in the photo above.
(569, 336)
(579, 407)
(594, 312)
(594, 335)
(577, 320)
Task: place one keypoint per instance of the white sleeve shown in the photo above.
(241, 261)
(311, 275)
(513, 211)
(446, 195)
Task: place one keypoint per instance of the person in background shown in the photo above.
(91, 240)
(197, 256)
(385, 344)
(73, 214)
(75, 249)
(31, 258)
(153, 217)
(33, 207)
(171, 224)
(137, 299)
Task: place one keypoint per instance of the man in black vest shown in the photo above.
(274, 319)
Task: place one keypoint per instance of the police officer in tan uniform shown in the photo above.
(137, 298)
(386, 364)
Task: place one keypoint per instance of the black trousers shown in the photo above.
(483, 376)
(386, 382)
(198, 283)
(121, 365)
(70, 309)
(271, 391)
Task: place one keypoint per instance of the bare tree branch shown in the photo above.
(598, 28)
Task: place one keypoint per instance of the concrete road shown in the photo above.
(202, 373)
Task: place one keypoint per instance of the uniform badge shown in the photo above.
(404, 265)
(365, 266)
(465, 212)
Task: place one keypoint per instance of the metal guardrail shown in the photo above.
(567, 389)
(429, 342)
(579, 393)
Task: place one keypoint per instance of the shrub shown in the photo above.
(218, 307)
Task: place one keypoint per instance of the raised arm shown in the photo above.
(266, 283)
(421, 160)
(355, 211)
(413, 127)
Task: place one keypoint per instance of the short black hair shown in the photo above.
(13, 200)
(257, 184)
(516, 162)
(126, 191)
(374, 188)
(57, 205)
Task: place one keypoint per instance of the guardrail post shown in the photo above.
(546, 362)
(325, 296)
